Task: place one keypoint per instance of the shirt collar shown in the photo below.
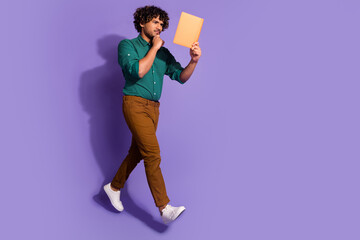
(142, 41)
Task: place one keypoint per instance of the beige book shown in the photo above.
(188, 30)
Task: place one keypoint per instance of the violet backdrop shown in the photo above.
(262, 143)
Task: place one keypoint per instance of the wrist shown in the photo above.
(155, 47)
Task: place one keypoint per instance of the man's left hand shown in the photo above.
(195, 52)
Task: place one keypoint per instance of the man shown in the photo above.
(144, 62)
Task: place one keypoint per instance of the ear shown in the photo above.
(142, 25)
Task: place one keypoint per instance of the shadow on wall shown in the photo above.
(100, 93)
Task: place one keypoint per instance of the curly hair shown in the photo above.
(146, 14)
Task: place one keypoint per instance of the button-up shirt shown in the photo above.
(130, 52)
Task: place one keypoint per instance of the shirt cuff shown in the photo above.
(177, 75)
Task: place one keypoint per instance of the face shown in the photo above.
(152, 28)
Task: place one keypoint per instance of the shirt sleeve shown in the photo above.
(174, 68)
(128, 60)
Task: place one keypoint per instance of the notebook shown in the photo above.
(188, 30)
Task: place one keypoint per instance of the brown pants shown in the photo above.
(141, 116)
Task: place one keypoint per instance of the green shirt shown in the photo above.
(150, 86)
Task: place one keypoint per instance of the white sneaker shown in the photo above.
(170, 213)
(114, 197)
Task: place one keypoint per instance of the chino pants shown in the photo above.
(141, 116)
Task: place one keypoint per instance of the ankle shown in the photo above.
(114, 189)
(161, 208)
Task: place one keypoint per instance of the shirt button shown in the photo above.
(154, 93)
(153, 71)
(154, 82)
(128, 54)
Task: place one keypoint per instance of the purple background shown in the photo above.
(261, 143)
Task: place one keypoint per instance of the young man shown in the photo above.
(144, 62)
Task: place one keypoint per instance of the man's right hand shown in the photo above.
(146, 62)
(157, 42)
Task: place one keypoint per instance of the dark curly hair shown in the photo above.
(146, 14)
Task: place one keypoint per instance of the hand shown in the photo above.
(157, 42)
(195, 52)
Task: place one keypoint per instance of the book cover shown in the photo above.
(188, 30)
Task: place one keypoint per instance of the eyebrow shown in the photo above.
(156, 21)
